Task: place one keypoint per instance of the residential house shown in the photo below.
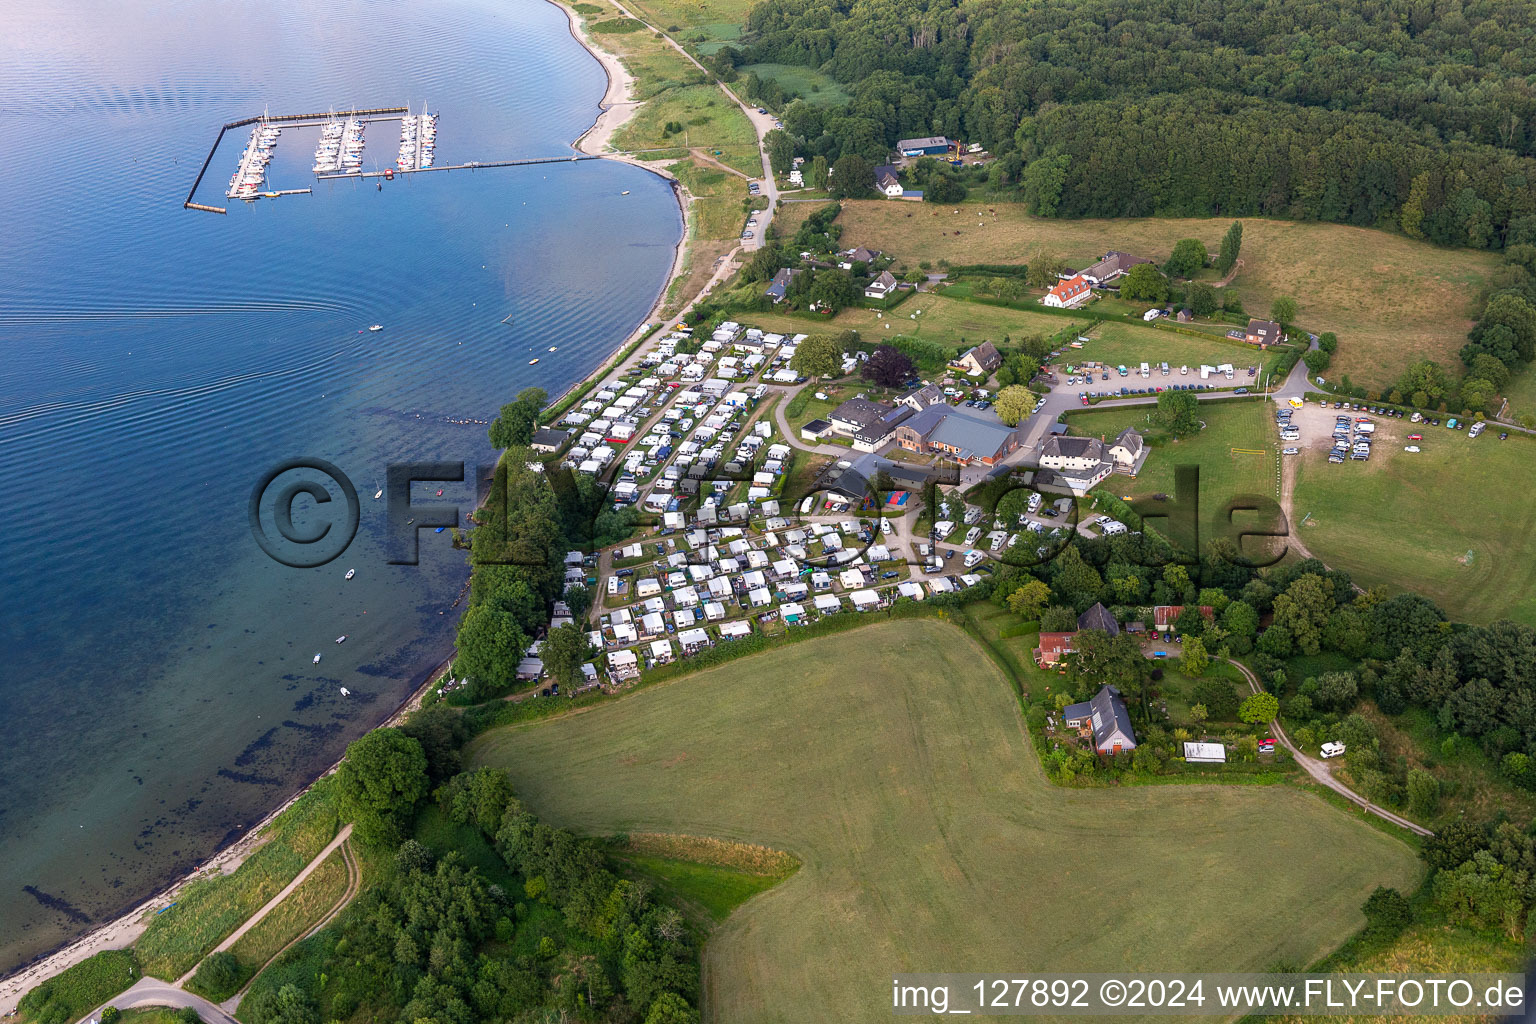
(1075, 464)
(778, 288)
(1112, 266)
(1264, 333)
(888, 186)
(548, 441)
(1068, 294)
(881, 286)
(848, 257)
(1098, 617)
(1053, 647)
(1106, 717)
(981, 360)
(1127, 451)
(922, 397)
(855, 414)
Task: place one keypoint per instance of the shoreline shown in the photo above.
(615, 108)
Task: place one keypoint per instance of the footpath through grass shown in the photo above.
(211, 908)
(892, 762)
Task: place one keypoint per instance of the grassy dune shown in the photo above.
(892, 762)
(1390, 299)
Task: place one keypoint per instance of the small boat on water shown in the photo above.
(350, 574)
(316, 661)
(439, 492)
(346, 692)
(551, 348)
(532, 361)
(376, 327)
(342, 639)
(378, 494)
(624, 193)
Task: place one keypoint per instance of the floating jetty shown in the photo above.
(251, 176)
(418, 140)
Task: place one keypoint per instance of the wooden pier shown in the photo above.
(474, 165)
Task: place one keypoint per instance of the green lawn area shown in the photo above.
(1521, 393)
(1220, 451)
(211, 908)
(73, 993)
(1132, 343)
(942, 319)
(1391, 300)
(892, 762)
(1454, 522)
(698, 24)
(806, 83)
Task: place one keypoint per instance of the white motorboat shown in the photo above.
(342, 639)
(376, 327)
(346, 692)
(316, 661)
(350, 574)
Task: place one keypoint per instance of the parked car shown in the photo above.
(1415, 437)
(1411, 448)
(1290, 451)
(889, 575)
(1240, 391)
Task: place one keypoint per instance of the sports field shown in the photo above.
(893, 763)
(1235, 453)
(1390, 299)
(1454, 522)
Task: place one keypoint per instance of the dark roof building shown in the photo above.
(1114, 264)
(1098, 617)
(921, 398)
(984, 358)
(547, 440)
(856, 414)
(925, 146)
(779, 286)
(1264, 333)
(1106, 714)
(965, 435)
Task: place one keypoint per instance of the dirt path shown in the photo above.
(1323, 773)
(255, 919)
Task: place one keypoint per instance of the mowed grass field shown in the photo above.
(1130, 344)
(1244, 425)
(1454, 522)
(893, 763)
(1390, 299)
(927, 316)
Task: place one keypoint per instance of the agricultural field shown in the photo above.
(1391, 300)
(1236, 453)
(806, 83)
(891, 761)
(1453, 522)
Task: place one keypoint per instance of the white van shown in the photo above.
(1332, 749)
(1146, 371)
(1365, 428)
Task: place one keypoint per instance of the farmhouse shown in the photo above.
(779, 286)
(1105, 716)
(981, 360)
(848, 257)
(888, 186)
(881, 286)
(1113, 265)
(1264, 333)
(1072, 292)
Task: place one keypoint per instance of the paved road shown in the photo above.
(1323, 772)
(154, 992)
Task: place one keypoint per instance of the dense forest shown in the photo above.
(1408, 112)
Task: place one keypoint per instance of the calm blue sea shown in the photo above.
(157, 693)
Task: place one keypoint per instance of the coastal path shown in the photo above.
(272, 904)
(1321, 772)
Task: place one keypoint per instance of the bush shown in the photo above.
(218, 977)
(1387, 912)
